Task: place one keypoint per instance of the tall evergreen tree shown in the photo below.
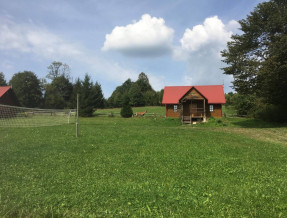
(2, 80)
(87, 97)
(76, 90)
(126, 110)
(98, 95)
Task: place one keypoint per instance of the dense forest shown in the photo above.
(58, 91)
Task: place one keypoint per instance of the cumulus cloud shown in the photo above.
(233, 26)
(213, 34)
(36, 42)
(147, 37)
(200, 48)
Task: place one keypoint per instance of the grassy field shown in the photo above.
(150, 111)
(148, 166)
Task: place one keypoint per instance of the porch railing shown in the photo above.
(194, 113)
(197, 112)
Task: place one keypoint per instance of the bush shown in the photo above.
(272, 113)
(244, 104)
(219, 121)
(126, 110)
(88, 111)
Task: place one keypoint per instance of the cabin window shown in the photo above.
(211, 108)
(174, 108)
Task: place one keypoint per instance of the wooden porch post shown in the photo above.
(181, 111)
(204, 114)
(190, 111)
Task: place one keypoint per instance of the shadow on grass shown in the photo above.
(256, 123)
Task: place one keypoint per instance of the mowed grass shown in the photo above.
(150, 110)
(149, 167)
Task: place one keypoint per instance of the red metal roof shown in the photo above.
(213, 93)
(3, 90)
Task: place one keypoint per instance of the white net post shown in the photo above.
(69, 117)
(77, 120)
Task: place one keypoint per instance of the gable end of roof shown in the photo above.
(213, 93)
(4, 89)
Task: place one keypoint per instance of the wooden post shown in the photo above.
(204, 114)
(191, 115)
(181, 112)
(77, 122)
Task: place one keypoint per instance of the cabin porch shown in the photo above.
(193, 111)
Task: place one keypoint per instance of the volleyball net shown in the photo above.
(11, 116)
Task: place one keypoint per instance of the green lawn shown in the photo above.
(151, 111)
(148, 166)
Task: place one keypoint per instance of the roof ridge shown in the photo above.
(194, 85)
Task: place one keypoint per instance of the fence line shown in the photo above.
(111, 114)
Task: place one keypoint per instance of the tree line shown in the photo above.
(257, 59)
(140, 93)
(57, 91)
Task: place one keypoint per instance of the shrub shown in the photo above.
(244, 104)
(272, 113)
(87, 111)
(219, 121)
(126, 110)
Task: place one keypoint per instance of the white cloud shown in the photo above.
(233, 26)
(36, 42)
(28, 38)
(157, 82)
(212, 34)
(147, 37)
(188, 80)
(200, 48)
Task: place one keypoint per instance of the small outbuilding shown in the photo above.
(7, 96)
(193, 103)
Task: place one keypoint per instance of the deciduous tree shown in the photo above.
(57, 69)
(58, 93)
(257, 58)
(136, 95)
(26, 86)
(143, 83)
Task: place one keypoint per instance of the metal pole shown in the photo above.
(77, 122)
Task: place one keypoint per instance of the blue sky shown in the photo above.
(173, 42)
